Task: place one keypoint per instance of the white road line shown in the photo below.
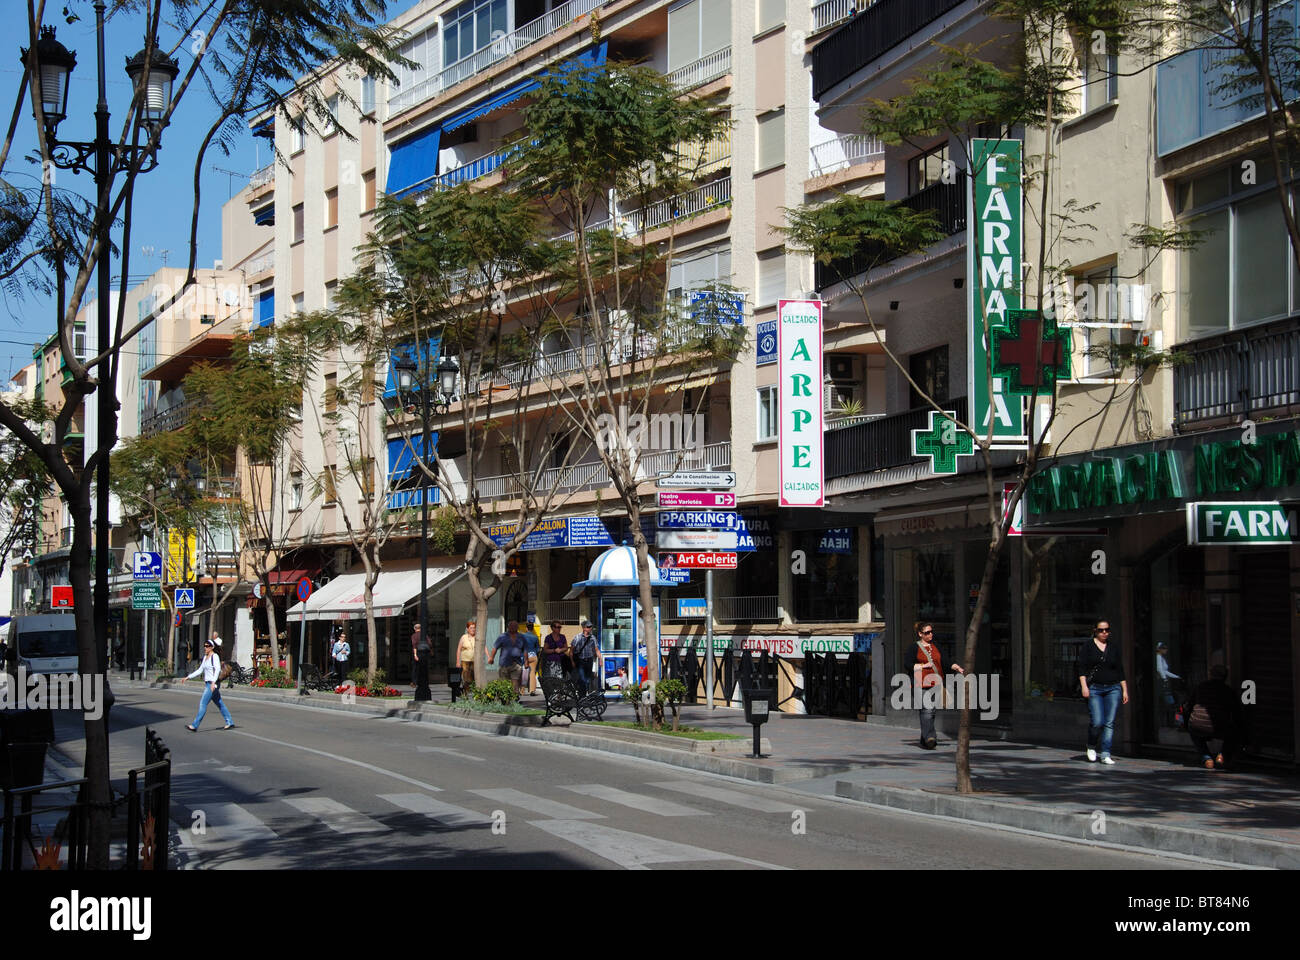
(634, 851)
(444, 813)
(662, 808)
(538, 806)
(334, 756)
(227, 823)
(336, 816)
(734, 797)
(451, 753)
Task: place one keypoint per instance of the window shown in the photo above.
(332, 106)
(699, 269)
(771, 277)
(768, 414)
(297, 138)
(1100, 79)
(330, 484)
(367, 468)
(368, 195)
(469, 28)
(829, 590)
(331, 294)
(331, 208)
(331, 392)
(298, 303)
(771, 13)
(295, 490)
(771, 140)
(697, 28)
(299, 231)
(1104, 310)
(929, 168)
(367, 95)
(79, 343)
(929, 371)
(422, 50)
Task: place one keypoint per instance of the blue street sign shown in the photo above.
(696, 520)
(766, 343)
(691, 606)
(147, 566)
(184, 598)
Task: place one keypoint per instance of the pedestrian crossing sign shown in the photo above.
(184, 598)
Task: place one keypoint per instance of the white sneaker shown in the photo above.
(1107, 760)
(1092, 755)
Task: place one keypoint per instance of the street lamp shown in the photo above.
(409, 385)
(151, 73)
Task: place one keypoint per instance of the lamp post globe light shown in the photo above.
(413, 379)
(152, 73)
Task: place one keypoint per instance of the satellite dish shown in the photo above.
(231, 296)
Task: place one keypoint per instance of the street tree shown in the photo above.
(616, 156)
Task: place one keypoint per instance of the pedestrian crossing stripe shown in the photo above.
(336, 816)
(637, 801)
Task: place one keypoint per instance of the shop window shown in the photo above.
(1063, 599)
(929, 371)
(829, 588)
(924, 585)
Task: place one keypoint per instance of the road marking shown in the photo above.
(451, 753)
(228, 823)
(733, 797)
(336, 816)
(334, 756)
(444, 813)
(538, 806)
(663, 808)
(633, 851)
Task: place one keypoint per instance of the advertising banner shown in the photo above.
(799, 329)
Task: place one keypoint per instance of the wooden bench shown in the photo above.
(562, 699)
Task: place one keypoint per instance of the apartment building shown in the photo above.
(1106, 518)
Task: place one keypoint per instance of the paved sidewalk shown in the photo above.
(1244, 818)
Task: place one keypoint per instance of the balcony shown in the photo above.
(828, 13)
(947, 201)
(704, 70)
(868, 35)
(881, 443)
(261, 178)
(684, 206)
(474, 170)
(164, 421)
(1239, 374)
(842, 153)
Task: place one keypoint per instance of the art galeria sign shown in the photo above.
(799, 335)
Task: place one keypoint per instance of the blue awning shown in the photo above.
(266, 128)
(266, 308)
(402, 455)
(594, 57)
(265, 216)
(413, 161)
(406, 352)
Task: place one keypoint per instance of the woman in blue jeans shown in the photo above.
(1101, 679)
(211, 670)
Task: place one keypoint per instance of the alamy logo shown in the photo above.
(78, 914)
(978, 691)
(657, 432)
(53, 691)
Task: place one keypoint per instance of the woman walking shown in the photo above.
(211, 670)
(1102, 683)
(556, 651)
(926, 673)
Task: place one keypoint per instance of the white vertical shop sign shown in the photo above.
(799, 328)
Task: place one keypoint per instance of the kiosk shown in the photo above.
(616, 612)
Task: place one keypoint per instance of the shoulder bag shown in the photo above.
(942, 686)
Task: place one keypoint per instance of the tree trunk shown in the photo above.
(372, 648)
(968, 659)
(274, 629)
(649, 623)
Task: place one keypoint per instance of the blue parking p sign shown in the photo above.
(147, 566)
(184, 598)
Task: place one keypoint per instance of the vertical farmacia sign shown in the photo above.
(993, 264)
(799, 335)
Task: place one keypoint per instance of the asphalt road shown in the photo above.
(297, 787)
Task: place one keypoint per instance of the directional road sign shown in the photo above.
(147, 566)
(696, 520)
(672, 500)
(722, 480)
(184, 598)
(146, 596)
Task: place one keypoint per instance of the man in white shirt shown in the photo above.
(211, 670)
(341, 652)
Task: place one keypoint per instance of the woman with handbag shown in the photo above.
(1212, 715)
(1102, 683)
(927, 673)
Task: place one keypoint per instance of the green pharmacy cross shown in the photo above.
(1031, 354)
(943, 442)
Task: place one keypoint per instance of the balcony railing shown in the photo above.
(263, 263)
(401, 499)
(745, 609)
(830, 12)
(708, 68)
(173, 418)
(692, 203)
(566, 611)
(881, 443)
(874, 31)
(842, 153)
(947, 201)
(261, 178)
(474, 170)
(1239, 374)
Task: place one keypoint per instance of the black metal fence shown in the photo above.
(147, 807)
(872, 32)
(1241, 373)
(835, 687)
(879, 444)
(23, 806)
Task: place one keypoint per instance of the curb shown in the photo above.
(1223, 847)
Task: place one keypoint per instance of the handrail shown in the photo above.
(699, 72)
(692, 203)
(842, 153)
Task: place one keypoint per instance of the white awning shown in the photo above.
(344, 597)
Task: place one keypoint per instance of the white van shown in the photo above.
(46, 643)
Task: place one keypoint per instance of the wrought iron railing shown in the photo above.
(173, 418)
(946, 201)
(872, 32)
(745, 609)
(1239, 373)
(843, 152)
(836, 687)
(830, 12)
(881, 443)
(699, 72)
(692, 203)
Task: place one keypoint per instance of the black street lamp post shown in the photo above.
(413, 379)
(151, 72)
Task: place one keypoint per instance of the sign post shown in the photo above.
(304, 591)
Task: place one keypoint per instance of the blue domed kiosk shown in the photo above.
(617, 614)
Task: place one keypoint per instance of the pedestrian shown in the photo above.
(216, 645)
(341, 652)
(584, 652)
(926, 674)
(514, 655)
(533, 641)
(465, 654)
(555, 651)
(211, 670)
(1214, 713)
(1171, 683)
(1102, 683)
(119, 653)
(420, 651)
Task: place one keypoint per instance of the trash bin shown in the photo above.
(24, 737)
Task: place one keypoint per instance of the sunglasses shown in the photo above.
(926, 633)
